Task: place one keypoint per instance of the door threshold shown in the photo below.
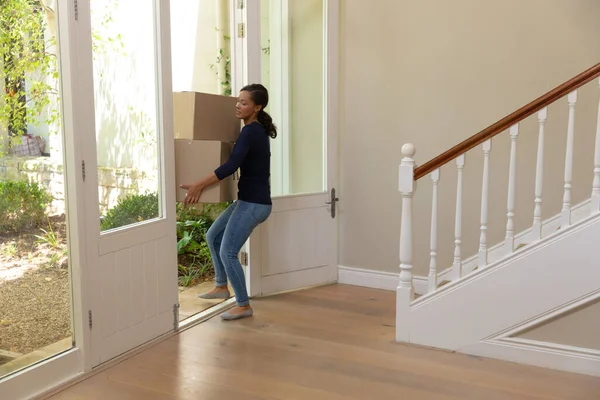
(202, 316)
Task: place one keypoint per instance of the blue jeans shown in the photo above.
(226, 237)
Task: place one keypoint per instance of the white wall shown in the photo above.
(194, 40)
(435, 72)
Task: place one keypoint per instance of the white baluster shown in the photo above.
(457, 265)
(536, 233)
(405, 290)
(483, 251)
(596, 184)
(432, 279)
(566, 207)
(512, 181)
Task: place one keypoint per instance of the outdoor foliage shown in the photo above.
(29, 64)
(25, 56)
(22, 205)
(223, 56)
(131, 210)
(194, 259)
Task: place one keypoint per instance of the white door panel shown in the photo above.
(135, 293)
(296, 240)
(132, 236)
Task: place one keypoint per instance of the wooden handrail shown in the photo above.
(508, 121)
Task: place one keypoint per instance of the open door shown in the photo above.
(291, 47)
(128, 173)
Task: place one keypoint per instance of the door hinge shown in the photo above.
(90, 318)
(240, 4)
(176, 316)
(76, 9)
(244, 258)
(241, 31)
(83, 170)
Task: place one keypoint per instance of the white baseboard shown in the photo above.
(541, 354)
(368, 278)
(377, 279)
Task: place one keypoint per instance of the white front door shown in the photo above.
(290, 46)
(129, 174)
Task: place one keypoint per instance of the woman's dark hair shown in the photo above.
(260, 96)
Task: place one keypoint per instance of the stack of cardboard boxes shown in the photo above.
(206, 128)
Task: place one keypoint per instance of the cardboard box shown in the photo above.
(194, 159)
(203, 116)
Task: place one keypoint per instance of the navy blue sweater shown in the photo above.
(252, 155)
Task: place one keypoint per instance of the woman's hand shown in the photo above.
(193, 194)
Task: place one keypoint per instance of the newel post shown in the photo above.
(405, 291)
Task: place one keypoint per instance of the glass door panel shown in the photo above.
(293, 69)
(126, 94)
(35, 282)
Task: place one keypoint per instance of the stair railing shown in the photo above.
(409, 174)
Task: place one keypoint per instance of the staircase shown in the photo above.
(485, 304)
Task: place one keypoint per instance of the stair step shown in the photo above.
(443, 283)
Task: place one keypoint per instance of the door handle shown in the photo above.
(332, 202)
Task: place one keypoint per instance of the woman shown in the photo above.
(230, 231)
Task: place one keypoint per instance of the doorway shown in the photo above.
(202, 61)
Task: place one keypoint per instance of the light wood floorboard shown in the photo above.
(329, 343)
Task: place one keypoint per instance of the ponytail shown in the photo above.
(260, 96)
(267, 122)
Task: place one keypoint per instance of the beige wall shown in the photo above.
(433, 73)
(580, 328)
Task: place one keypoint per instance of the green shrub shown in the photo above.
(22, 205)
(187, 213)
(195, 263)
(131, 210)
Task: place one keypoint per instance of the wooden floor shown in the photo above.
(329, 343)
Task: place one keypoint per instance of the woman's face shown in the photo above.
(245, 107)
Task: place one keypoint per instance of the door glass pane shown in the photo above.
(292, 45)
(35, 294)
(127, 120)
